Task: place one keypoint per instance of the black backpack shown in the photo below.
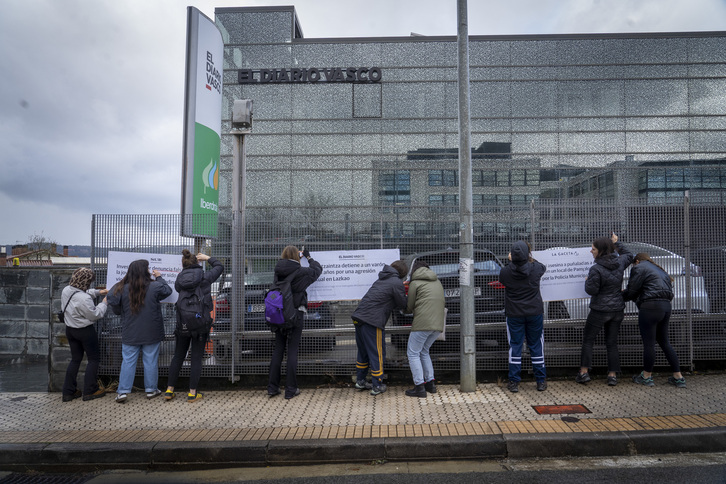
(280, 310)
(194, 318)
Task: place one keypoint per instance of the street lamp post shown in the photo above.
(241, 126)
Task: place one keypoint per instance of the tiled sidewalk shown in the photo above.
(344, 413)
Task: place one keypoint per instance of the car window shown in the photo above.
(651, 250)
(488, 266)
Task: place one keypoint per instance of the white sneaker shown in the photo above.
(153, 394)
(120, 398)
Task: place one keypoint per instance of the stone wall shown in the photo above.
(29, 301)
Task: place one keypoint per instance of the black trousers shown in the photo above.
(653, 318)
(180, 352)
(289, 341)
(82, 340)
(596, 321)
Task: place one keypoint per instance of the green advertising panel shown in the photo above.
(206, 179)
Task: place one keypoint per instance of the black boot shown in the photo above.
(417, 391)
(430, 386)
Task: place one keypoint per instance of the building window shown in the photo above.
(443, 178)
(482, 178)
(444, 203)
(394, 190)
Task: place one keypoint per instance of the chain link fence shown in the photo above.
(684, 234)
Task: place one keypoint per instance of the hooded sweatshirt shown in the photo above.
(521, 278)
(426, 301)
(385, 295)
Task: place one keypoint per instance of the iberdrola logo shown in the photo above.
(210, 176)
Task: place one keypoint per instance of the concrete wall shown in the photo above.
(29, 301)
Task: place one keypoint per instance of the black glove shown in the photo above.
(306, 253)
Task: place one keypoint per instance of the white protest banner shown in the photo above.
(566, 272)
(348, 274)
(168, 265)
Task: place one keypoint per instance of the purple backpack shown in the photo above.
(280, 310)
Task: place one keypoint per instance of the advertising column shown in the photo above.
(202, 126)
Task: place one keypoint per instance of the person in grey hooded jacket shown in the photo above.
(370, 318)
(524, 310)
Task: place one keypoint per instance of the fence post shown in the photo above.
(687, 255)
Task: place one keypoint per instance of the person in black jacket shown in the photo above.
(370, 318)
(191, 276)
(137, 298)
(607, 309)
(652, 290)
(290, 262)
(524, 310)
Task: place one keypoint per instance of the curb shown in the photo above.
(194, 455)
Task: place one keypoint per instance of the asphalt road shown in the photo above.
(681, 468)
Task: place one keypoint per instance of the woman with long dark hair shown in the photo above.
(80, 312)
(137, 298)
(192, 276)
(651, 288)
(289, 340)
(607, 308)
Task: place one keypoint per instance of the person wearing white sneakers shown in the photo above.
(137, 298)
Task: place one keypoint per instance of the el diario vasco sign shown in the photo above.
(332, 74)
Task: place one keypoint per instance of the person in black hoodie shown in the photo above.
(524, 310)
(191, 276)
(604, 284)
(651, 288)
(304, 276)
(370, 318)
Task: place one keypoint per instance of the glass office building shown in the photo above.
(366, 129)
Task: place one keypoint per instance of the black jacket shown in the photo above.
(385, 295)
(300, 282)
(521, 278)
(193, 276)
(605, 280)
(648, 282)
(147, 326)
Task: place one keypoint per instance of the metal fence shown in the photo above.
(684, 234)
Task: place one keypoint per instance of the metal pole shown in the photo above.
(466, 230)
(687, 250)
(532, 221)
(239, 179)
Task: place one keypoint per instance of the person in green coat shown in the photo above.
(426, 302)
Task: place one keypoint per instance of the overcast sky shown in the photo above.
(91, 91)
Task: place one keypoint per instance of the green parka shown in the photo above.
(426, 301)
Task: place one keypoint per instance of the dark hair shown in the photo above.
(418, 265)
(188, 259)
(604, 246)
(290, 252)
(400, 267)
(138, 279)
(642, 256)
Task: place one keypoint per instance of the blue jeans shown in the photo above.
(419, 359)
(530, 327)
(150, 357)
